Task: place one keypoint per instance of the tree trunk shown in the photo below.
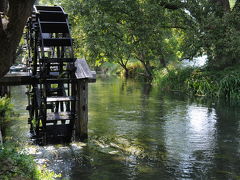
(3, 6)
(148, 70)
(126, 73)
(224, 4)
(11, 29)
(221, 7)
(124, 66)
(125, 69)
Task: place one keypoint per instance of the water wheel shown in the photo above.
(51, 60)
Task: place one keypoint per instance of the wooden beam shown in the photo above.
(83, 71)
(19, 78)
(81, 125)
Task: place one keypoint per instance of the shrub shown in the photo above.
(5, 107)
(229, 86)
(172, 78)
(17, 165)
(5, 111)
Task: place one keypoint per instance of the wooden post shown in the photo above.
(4, 91)
(81, 125)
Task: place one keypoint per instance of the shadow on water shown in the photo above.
(138, 132)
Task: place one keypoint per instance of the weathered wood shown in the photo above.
(83, 71)
(60, 98)
(56, 60)
(59, 116)
(25, 78)
(19, 78)
(4, 91)
(81, 125)
(94, 77)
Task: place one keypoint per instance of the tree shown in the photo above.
(156, 32)
(14, 14)
(116, 31)
(214, 31)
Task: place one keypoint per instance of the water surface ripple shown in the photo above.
(138, 132)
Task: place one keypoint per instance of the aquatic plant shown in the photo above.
(18, 165)
(229, 86)
(5, 111)
(201, 82)
(172, 78)
(5, 106)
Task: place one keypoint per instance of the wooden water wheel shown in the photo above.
(52, 96)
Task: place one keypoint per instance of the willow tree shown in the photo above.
(14, 14)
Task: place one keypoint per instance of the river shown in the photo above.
(138, 132)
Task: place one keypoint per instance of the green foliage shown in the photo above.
(109, 67)
(5, 106)
(201, 82)
(5, 111)
(213, 30)
(136, 69)
(117, 31)
(155, 33)
(172, 78)
(229, 86)
(17, 165)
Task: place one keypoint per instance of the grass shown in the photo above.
(14, 163)
(201, 82)
(18, 165)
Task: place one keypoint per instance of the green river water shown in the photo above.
(138, 132)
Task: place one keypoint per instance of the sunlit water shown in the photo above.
(137, 132)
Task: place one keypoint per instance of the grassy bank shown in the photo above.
(200, 81)
(14, 162)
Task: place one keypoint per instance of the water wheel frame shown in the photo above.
(51, 98)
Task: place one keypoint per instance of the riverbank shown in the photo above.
(136, 131)
(197, 81)
(15, 162)
(201, 81)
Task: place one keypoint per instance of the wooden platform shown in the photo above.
(17, 78)
(25, 78)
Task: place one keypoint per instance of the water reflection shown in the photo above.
(138, 132)
(190, 139)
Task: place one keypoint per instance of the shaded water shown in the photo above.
(137, 132)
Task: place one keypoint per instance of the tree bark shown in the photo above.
(224, 4)
(124, 66)
(11, 29)
(3, 6)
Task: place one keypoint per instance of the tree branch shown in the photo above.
(173, 27)
(172, 6)
(1, 24)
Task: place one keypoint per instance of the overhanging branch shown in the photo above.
(1, 24)
(173, 27)
(172, 6)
